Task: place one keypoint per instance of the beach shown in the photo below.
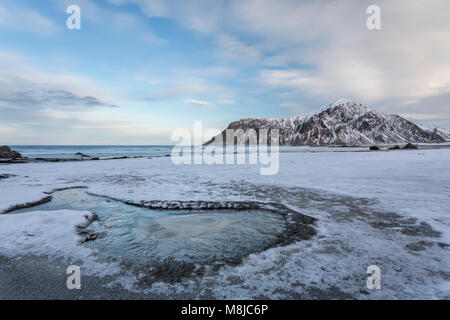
(388, 209)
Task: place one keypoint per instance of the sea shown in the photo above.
(110, 151)
(70, 152)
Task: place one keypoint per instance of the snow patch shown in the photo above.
(52, 234)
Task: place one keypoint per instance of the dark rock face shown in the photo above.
(6, 152)
(343, 122)
(410, 146)
(374, 148)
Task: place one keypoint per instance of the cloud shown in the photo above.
(232, 49)
(183, 85)
(430, 110)
(407, 60)
(26, 19)
(268, 54)
(48, 98)
(154, 8)
(39, 107)
(123, 22)
(42, 107)
(294, 108)
(23, 84)
(229, 101)
(200, 15)
(197, 102)
(323, 50)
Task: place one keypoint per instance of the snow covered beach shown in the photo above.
(384, 208)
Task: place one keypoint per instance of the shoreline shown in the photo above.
(386, 147)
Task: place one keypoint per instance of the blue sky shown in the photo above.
(138, 69)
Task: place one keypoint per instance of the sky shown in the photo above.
(137, 70)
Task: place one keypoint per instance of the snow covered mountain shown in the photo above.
(343, 122)
(444, 133)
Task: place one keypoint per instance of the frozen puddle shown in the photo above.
(132, 233)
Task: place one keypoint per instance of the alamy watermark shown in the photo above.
(74, 20)
(254, 147)
(373, 21)
(374, 281)
(74, 279)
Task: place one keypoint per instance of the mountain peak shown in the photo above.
(343, 101)
(346, 107)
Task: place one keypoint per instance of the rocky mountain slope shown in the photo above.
(444, 133)
(343, 122)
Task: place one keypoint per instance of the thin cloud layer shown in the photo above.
(198, 102)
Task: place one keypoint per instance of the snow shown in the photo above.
(330, 186)
(348, 104)
(49, 233)
(341, 101)
(444, 133)
(40, 232)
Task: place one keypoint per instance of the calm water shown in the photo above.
(135, 233)
(132, 151)
(92, 151)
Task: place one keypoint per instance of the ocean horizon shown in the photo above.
(100, 151)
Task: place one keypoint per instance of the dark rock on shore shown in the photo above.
(6, 152)
(87, 223)
(374, 148)
(395, 148)
(82, 155)
(6, 176)
(410, 146)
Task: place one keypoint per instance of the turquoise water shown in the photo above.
(134, 233)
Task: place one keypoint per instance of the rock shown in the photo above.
(6, 176)
(90, 235)
(419, 246)
(410, 146)
(17, 160)
(6, 152)
(374, 148)
(89, 219)
(395, 148)
(82, 155)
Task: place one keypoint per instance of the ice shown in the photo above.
(52, 234)
(348, 192)
(40, 232)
